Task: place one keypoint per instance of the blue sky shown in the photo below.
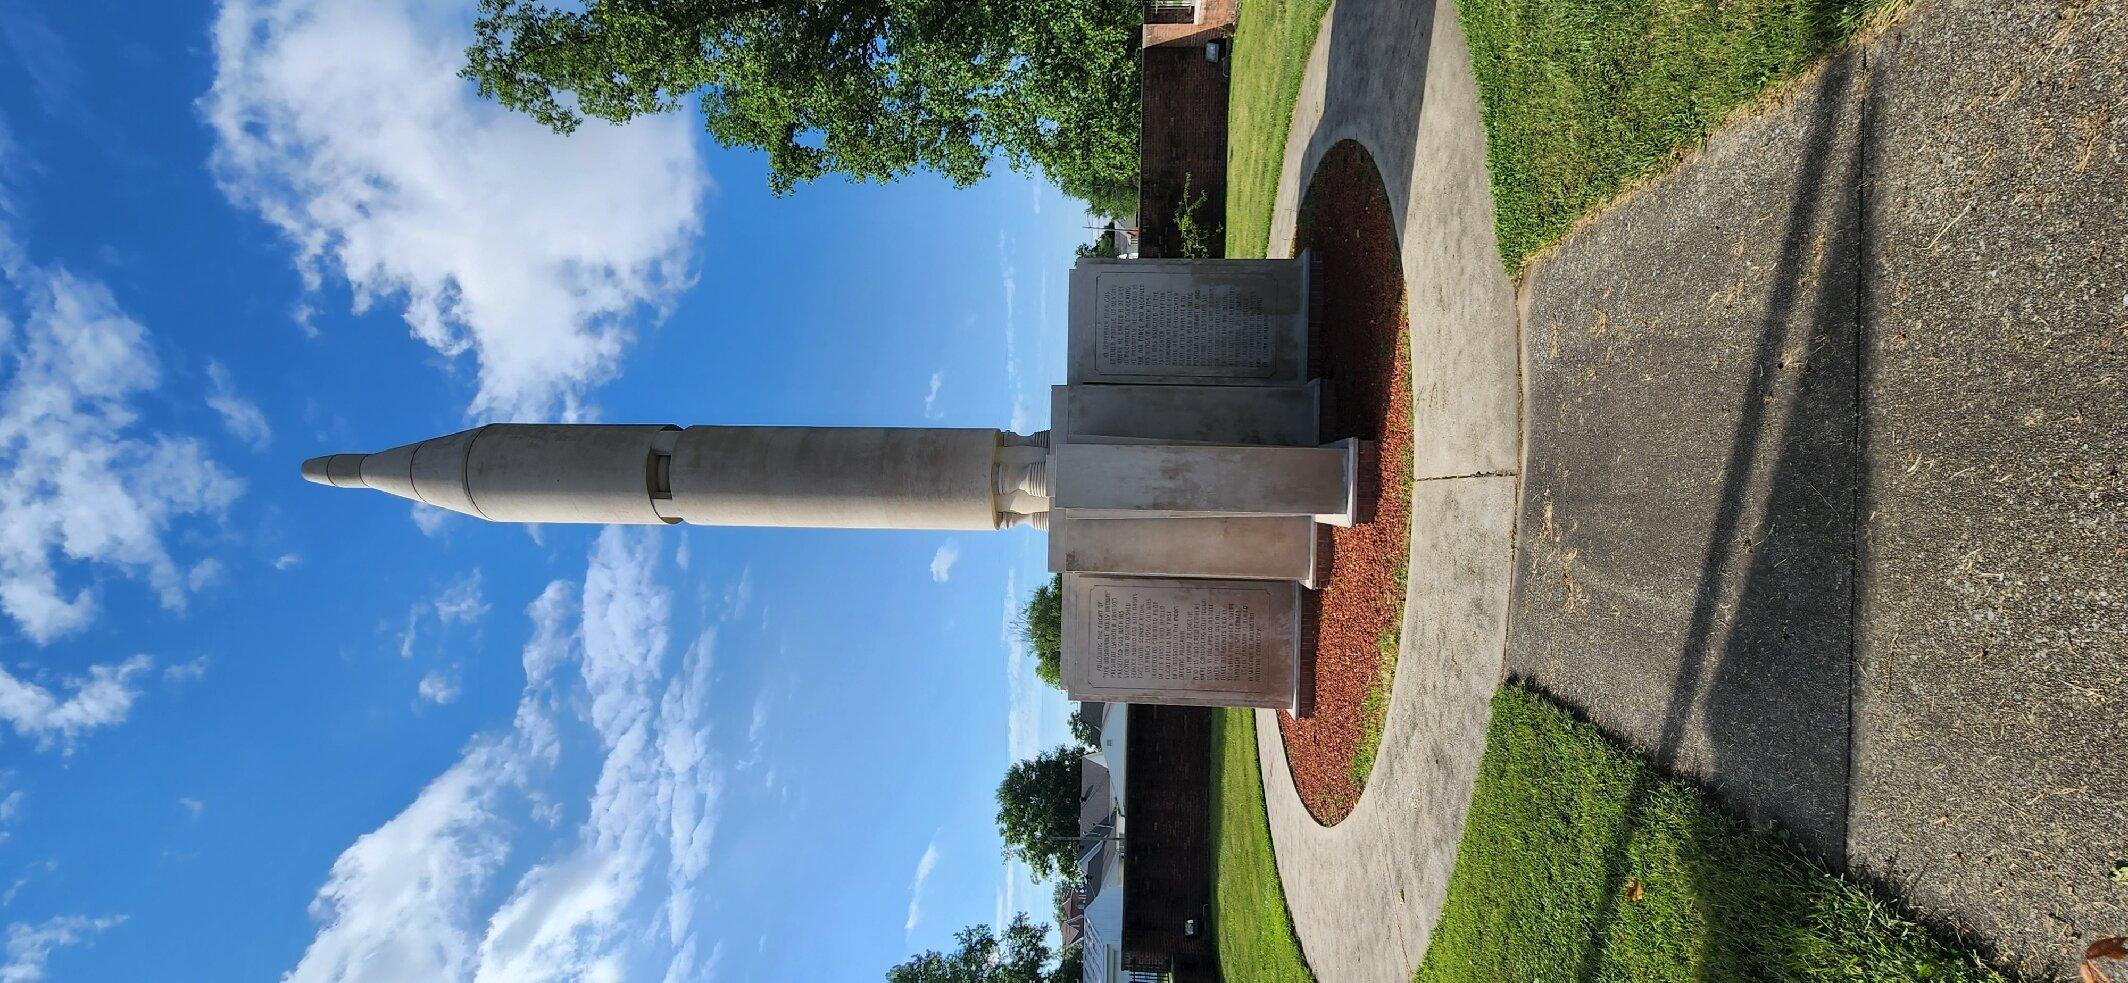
(257, 729)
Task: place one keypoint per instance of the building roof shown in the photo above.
(1090, 714)
(1096, 795)
(1115, 736)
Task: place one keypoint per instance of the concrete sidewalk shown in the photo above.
(1395, 75)
(1824, 499)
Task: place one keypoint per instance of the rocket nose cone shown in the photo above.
(337, 470)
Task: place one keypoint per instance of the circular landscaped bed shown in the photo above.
(1346, 226)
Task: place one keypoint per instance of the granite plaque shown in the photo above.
(1207, 321)
(1165, 325)
(1230, 643)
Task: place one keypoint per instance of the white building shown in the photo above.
(1099, 923)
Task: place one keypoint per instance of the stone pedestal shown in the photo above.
(1169, 480)
(1181, 641)
(1253, 547)
(1282, 416)
(1186, 484)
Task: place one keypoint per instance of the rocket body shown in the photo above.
(842, 477)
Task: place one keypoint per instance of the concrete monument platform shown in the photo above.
(1186, 484)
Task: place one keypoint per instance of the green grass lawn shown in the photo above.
(1580, 861)
(1582, 100)
(1271, 43)
(1256, 941)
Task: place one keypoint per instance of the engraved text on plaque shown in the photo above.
(1186, 641)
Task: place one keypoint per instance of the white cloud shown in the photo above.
(80, 481)
(684, 968)
(739, 595)
(204, 574)
(306, 318)
(656, 794)
(924, 867)
(29, 946)
(1023, 713)
(342, 122)
(29, 873)
(942, 561)
(185, 672)
(757, 729)
(287, 561)
(426, 896)
(193, 807)
(241, 416)
(437, 688)
(462, 601)
(431, 520)
(104, 697)
(931, 410)
(399, 903)
(12, 165)
(1009, 281)
(552, 637)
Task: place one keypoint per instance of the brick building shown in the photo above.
(1167, 896)
(1182, 129)
(1142, 909)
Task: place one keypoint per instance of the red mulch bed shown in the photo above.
(1366, 362)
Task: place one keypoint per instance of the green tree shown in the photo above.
(1038, 812)
(1042, 627)
(1071, 966)
(1103, 246)
(982, 957)
(1071, 963)
(1107, 196)
(868, 88)
(1082, 730)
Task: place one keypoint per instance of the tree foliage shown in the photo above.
(1038, 812)
(1071, 966)
(1083, 731)
(1103, 247)
(872, 89)
(1042, 627)
(979, 956)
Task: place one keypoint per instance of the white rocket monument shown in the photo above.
(849, 477)
(1182, 483)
